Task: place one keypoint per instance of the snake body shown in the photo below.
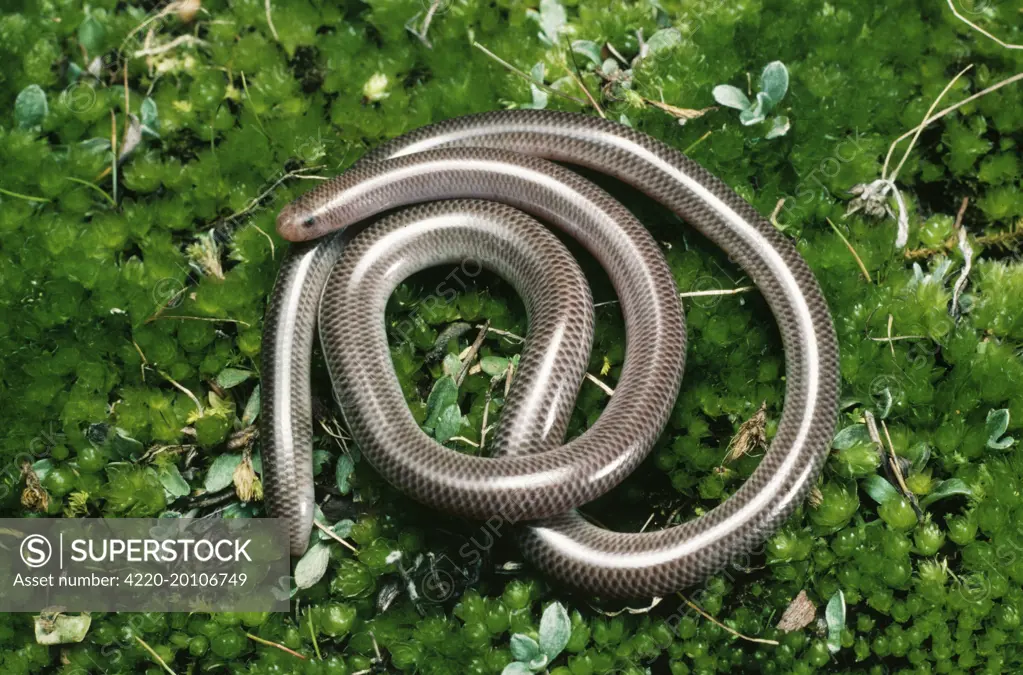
(475, 185)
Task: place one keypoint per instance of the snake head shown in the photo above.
(296, 222)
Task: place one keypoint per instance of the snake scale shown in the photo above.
(477, 187)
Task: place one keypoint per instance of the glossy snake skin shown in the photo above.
(480, 181)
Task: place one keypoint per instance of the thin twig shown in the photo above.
(890, 463)
(897, 472)
(582, 85)
(94, 187)
(679, 113)
(486, 413)
(606, 389)
(963, 205)
(647, 523)
(113, 149)
(527, 77)
(169, 9)
(333, 535)
(248, 97)
(981, 30)
(427, 20)
(163, 664)
(273, 249)
(897, 338)
(859, 261)
(777, 210)
(145, 361)
(1004, 83)
(127, 98)
(29, 198)
(270, 22)
(919, 129)
(200, 318)
(274, 644)
(695, 294)
(470, 356)
(167, 46)
(297, 173)
(312, 633)
(734, 632)
(505, 334)
(721, 291)
(695, 143)
(184, 390)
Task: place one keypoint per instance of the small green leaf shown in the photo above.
(774, 82)
(589, 49)
(173, 482)
(448, 423)
(90, 34)
(946, 488)
(540, 98)
(343, 473)
(313, 565)
(320, 460)
(856, 434)
(251, 408)
(663, 40)
(517, 668)
(555, 629)
(42, 468)
(257, 463)
(124, 445)
(232, 377)
(552, 19)
(452, 365)
(342, 528)
(835, 617)
(524, 648)
(731, 97)
(494, 366)
(30, 108)
(95, 145)
(884, 402)
(756, 114)
(443, 395)
(221, 472)
(779, 127)
(150, 118)
(997, 423)
(880, 490)
(539, 101)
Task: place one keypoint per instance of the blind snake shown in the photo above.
(481, 183)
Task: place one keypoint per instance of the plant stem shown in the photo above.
(274, 644)
(859, 261)
(94, 187)
(29, 198)
(156, 656)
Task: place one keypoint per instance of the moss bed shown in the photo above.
(132, 295)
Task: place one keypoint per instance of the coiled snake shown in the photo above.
(475, 179)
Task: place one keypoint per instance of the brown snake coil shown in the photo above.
(479, 177)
